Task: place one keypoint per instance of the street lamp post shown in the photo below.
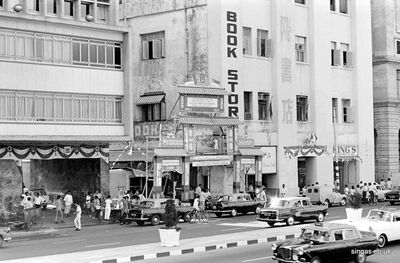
(335, 160)
(147, 175)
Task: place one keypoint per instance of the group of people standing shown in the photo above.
(260, 193)
(198, 197)
(367, 190)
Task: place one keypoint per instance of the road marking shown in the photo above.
(256, 259)
(107, 244)
(68, 241)
(230, 229)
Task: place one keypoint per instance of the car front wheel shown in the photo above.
(218, 214)
(271, 224)
(343, 202)
(382, 240)
(257, 211)
(326, 202)
(290, 221)
(320, 217)
(155, 220)
(361, 258)
(392, 203)
(315, 260)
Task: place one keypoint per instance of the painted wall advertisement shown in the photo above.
(268, 159)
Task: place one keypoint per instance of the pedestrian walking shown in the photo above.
(389, 184)
(346, 190)
(191, 196)
(68, 201)
(125, 210)
(58, 204)
(364, 193)
(38, 200)
(383, 183)
(97, 207)
(202, 199)
(77, 220)
(263, 195)
(198, 189)
(107, 210)
(251, 191)
(258, 190)
(88, 203)
(352, 190)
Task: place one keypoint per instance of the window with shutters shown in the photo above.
(248, 105)
(264, 106)
(346, 110)
(343, 7)
(154, 112)
(346, 55)
(302, 108)
(300, 46)
(335, 54)
(246, 41)
(153, 45)
(263, 44)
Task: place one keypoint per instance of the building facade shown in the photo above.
(386, 70)
(297, 73)
(65, 94)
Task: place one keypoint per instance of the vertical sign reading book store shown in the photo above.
(232, 57)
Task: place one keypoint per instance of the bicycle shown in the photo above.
(199, 216)
(371, 200)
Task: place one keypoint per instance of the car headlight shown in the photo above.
(295, 257)
(274, 247)
(299, 251)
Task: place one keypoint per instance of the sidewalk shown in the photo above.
(154, 250)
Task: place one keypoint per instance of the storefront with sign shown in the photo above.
(349, 161)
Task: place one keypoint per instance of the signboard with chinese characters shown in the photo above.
(171, 162)
(202, 103)
(247, 161)
(211, 160)
(268, 159)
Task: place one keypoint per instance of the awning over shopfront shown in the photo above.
(199, 90)
(251, 152)
(170, 152)
(150, 99)
(215, 121)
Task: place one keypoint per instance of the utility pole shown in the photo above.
(336, 162)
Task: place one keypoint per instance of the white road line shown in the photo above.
(256, 259)
(107, 244)
(68, 241)
(230, 229)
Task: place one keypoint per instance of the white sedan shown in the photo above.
(385, 223)
(381, 192)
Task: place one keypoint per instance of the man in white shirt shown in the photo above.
(37, 201)
(263, 195)
(382, 184)
(389, 184)
(198, 189)
(68, 201)
(346, 190)
(77, 220)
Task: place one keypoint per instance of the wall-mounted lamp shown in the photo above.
(18, 8)
(89, 18)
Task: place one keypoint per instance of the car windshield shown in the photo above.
(379, 215)
(315, 235)
(278, 203)
(397, 188)
(147, 204)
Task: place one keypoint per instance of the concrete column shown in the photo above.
(94, 11)
(236, 172)
(113, 13)
(60, 8)
(43, 7)
(77, 10)
(25, 4)
(258, 171)
(157, 186)
(186, 179)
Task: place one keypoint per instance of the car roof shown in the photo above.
(392, 210)
(328, 226)
(294, 198)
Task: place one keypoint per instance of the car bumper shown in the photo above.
(392, 200)
(276, 220)
(221, 211)
(289, 260)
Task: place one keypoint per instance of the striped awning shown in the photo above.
(251, 152)
(199, 90)
(209, 121)
(173, 152)
(150, 99)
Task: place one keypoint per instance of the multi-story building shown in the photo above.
(298, 73)
(386, 70)
(64, 94)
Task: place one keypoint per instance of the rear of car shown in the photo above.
(5, 235)
(393, 196)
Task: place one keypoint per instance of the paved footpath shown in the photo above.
(154, 250)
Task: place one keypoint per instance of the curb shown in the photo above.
(197, 249)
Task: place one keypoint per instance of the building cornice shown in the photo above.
(377, 60)
(43, 139)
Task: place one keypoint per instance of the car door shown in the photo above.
(339, 249)
(352, 243)
(308, 210)
(298, 210)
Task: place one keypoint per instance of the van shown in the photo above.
(325, 194)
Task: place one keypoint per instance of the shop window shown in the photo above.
(264, 45)
(68, 8)
(302, 108)
(264, 106)
(153, 45)
(246, 41)
(248, 105)
(300, 49)
(343, 7)
(347, 111)
(52, 6)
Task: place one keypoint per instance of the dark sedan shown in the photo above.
(327, 242)
(237, 203)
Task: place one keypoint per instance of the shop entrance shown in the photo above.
(305, 172)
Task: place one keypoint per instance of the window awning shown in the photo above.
(173, 152)
(209, 121)
(150, 99)
(251, 152)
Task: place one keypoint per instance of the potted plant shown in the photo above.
(170, 233)
(355, 210)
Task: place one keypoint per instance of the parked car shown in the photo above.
(385, 223)
(153, 211)
(237, 203)
(291, 209)
(381, 191)
(325, 194)
(43, 194)
(393, 196)
(5, 235)
(324, 242)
